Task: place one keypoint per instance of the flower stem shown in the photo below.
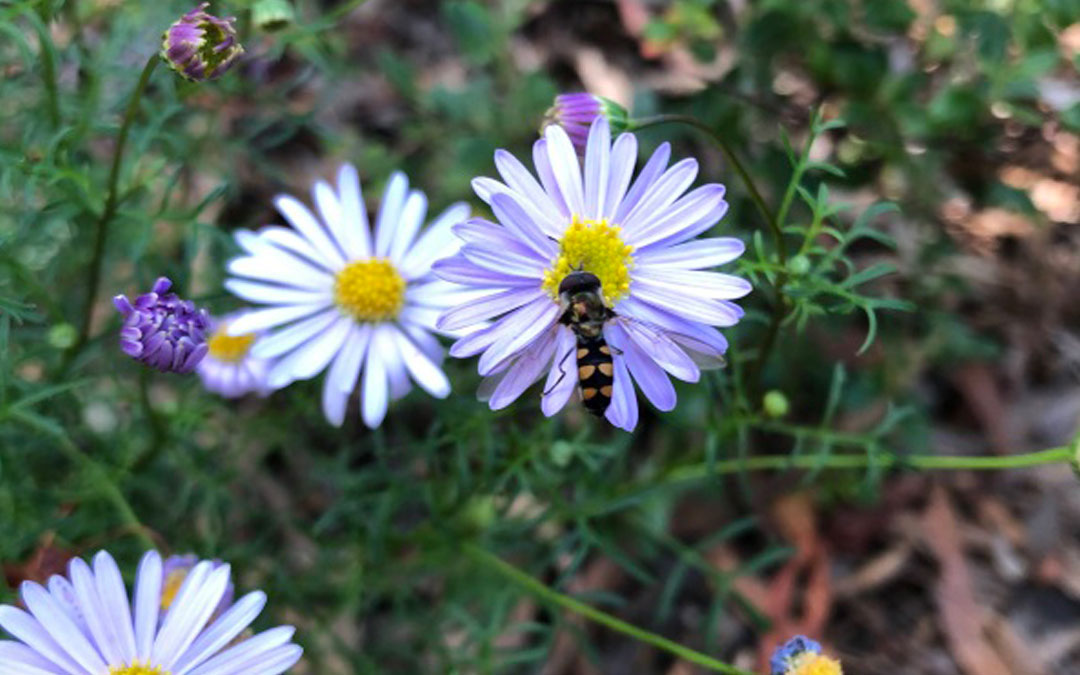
(568, 603)
(97, 261)
(696, 472)
(105, 484)
(733, 159)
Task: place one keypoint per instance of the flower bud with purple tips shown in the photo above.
(163, 331)
(201, 46)
(575, 113)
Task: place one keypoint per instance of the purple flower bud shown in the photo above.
(163, 331)
(201, 46)
(575, 114)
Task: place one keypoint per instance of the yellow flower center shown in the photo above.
(597, 247)
(230, 348)
(136, 669)
(370, 290)
(809, 663)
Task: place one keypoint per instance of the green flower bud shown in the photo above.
(799, 265)
(776, 404)
(272, 15)
(62, 336)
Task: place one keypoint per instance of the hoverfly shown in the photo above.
(586, 314)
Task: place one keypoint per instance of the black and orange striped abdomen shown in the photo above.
(595, 373)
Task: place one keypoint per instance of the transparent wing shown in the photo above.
(665, 344)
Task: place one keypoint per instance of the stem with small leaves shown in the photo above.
(97, 260)
(554, 597)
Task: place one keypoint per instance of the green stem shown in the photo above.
(48, 66)
(108, 488)
(568, 603)
(732, 159)
(697, 472)
(98, 259)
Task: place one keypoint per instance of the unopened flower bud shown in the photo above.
(775, 404)
(163, 331)
(201, 46)
(575, 114)
(271, 15)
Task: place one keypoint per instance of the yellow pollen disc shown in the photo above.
(370, 290)
(597, 247)
(171, 587)
(225, 347)
(814, 664)
(136, 669)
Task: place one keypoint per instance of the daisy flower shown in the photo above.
(362, 304)
(229, 369)
(802, 656)
(655, 305)
(85, 624)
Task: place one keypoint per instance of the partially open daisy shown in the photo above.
(802, 656)
(594, 278)
(340, 297)
(84, 624)
(229, 368)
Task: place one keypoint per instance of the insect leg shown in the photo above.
(562, 373)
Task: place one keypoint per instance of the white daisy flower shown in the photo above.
(341, 298)
(229, 369)
(84, 624)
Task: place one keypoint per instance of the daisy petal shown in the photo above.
(650, 377)
(424, 371)
(147, 603)
(691, 209)
(649, 173)
(309, 227)
(563, 161)
(704, 310)
(623, 410)
(597, 163)
(700, 284)
(660, 196)
(524, 227)
(412, 216)
(375, 397)
(476, 311)
(355, 231)
(220, 633)
(437, 241)
(393, 202)
(526, 369)
(693, 255)
(562, 379)
(519, 329)
(294, 335)
(623, 158)
(310, 359)
(261, 319)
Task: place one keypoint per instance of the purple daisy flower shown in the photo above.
(576, 112)
(594, 277)
(86, 622)
(201, 46)
(163, 331)
(230, 369)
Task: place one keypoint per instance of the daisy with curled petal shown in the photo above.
(229, 369)
(655, 305)
(84, 624)
(340, 298)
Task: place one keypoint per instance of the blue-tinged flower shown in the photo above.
(802, 656)
(230, 369)
(341, 298)
(634, 239)
(163, 331)
(84, 624)
(576, 112)
(201, 46)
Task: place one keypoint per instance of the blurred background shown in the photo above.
(963, 113)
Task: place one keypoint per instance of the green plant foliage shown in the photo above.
(357, 536)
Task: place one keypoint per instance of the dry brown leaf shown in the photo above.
(961, 616)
